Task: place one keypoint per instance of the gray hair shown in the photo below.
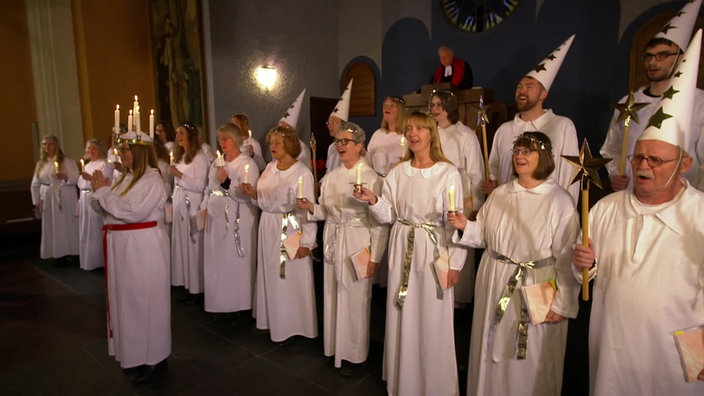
(356, 131)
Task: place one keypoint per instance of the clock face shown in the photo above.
(477, 15)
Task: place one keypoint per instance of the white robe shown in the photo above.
(90, 219)
(59, 200)
(229, 277)
(186, 240)
(419, 346)
(305, 156)
(332, 161)
(285, 306)
(649, 284)
(461, 146)
(137, 272)
(614, 137)
(384, 150)
(257, 148)
(348, 229)
(563, 137)
(523, 224)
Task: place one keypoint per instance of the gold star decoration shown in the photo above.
(292, 106)
(671, 91)
(482, 119)
(539, 67)
(658, 117)
(287, 114)
(551, 57)
(336, 110)
(586, 166)
(667, 27)
(629, 109)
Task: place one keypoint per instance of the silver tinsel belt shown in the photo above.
(332, 244)
(236, 227)
(288, 218)
(408, 257)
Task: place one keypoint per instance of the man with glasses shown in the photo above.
(531, 92)
(661, 55)
(645, 254)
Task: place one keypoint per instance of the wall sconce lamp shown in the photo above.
(266, 77)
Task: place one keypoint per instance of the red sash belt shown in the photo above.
(117, 227)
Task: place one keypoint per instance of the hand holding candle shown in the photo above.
(451, 199)
(300, 188)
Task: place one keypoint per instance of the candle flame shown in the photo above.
(152, 111)
(117, 107)
(135, 98)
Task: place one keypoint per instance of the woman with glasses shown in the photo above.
(387, 145)
(250, 145)
(285, 296)
(90, 220)
(419, 346)
(230, 240)
(350, 237)
(190, 172)
(54, 197)
(528, 227)
(137, 268)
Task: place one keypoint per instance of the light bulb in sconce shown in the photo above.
(266, 77)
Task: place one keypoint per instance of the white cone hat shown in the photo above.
(672, 121)
(679, 29)
(291, 115)
(342, 109)
(546, 70)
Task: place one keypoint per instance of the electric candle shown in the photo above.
(300, 187)
(451, 199)
(246, 174)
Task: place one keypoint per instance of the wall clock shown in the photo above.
(477, 15)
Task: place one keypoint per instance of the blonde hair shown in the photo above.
(425, 120)
(232, 131)
(59, 156)
(143, 158)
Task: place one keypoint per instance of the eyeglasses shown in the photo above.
(344, 141)
(521, 151)
(660, 56)
(653, 162)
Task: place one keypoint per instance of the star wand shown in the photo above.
(628, 111)
(586, 172)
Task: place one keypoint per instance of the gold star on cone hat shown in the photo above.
(672, 122)
(291, 115)
(679, 28)
(342, 109)
(546, 70)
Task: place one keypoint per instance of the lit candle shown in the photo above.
(117, 157)
(171, 158)
(83, 166)
(219, 158)
(137, 121)
(300, 187)
(129, 122)
(403, 142)
(135, 105)
(117, 120)
(151, 125)
(56, 167)
(451, 198)
(249, 131)
(246, 174)
(358, 180)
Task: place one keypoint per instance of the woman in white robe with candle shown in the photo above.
(90, 219)
(387, 144)
(250, 145)
(419, 347)
(190, 172)
(349, 230)
(530, 219)
(55, 199)
(285, 294)
(230, 240)
(137, 268)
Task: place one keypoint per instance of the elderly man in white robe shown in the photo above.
(646, 256)
(354, 246)
(137, 266)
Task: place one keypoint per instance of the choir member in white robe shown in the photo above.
(530, 219)
(190, 173)
(89, 217)
(386, 146)
(55, 199)
(349, 230)
(250, 145)
(285, 294)
(419, 346)
(530, 95)
(461, 146)
(166, 134)
(334, 124)
(137, 268)
(230, 240)
(646, 259)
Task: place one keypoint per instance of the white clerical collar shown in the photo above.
(448, 71)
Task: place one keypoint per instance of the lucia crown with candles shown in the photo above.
(546, 70)
(134, 134)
